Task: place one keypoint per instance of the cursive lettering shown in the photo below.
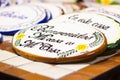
(40, 45)
(13, 14)
(40, 36)
(100, 26)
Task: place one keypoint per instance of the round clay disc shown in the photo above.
(59, 43)
(109, 26)
(18, 17)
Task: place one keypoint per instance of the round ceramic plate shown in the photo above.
(59, 43)
(109, 26)
(17, 17)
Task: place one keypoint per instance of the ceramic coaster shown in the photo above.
(59, 43)
(109, 26)
(17, 17)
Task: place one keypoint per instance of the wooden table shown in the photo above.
(13, 66)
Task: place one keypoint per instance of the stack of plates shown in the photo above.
(58, 9)
(17, 17)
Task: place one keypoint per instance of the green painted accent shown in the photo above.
(98, 39)
(67, 53)
(113, 45)
(17, 42)
(21, 31)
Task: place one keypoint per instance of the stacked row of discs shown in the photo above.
(17, 17)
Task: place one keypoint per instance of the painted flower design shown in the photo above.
(81, 47)
(20, 36)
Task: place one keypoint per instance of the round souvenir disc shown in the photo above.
(59, 43)
(105, 24)
(1, 38)
(17, 17)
